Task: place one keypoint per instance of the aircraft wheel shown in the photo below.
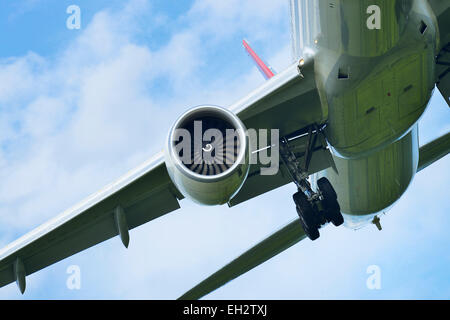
(331, 205)
(326, 188)
(307, 215)
(333, 213)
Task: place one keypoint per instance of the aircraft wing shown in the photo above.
(433, 151)
(292, 108)
(143, 194)
(263, 251)
(291, 234)
(147, 192)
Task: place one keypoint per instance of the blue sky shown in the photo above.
(78, 108)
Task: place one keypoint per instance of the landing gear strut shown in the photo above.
(314, 208)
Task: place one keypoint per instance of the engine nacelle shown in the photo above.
(207, 154)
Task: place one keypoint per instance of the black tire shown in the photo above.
(331, 205)
(333, 212)
(326, 188)
(307, 216)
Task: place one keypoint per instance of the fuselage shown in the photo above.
(375, 67)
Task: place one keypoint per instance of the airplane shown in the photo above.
(347, 112)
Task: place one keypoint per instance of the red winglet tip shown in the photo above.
(265, 70)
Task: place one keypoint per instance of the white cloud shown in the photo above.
(77, 121)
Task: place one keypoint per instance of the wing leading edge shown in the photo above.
(141, 195)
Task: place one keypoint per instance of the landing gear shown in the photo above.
(307, 215)
(332, 210)
(314, 208)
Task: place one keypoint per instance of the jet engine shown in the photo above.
(207, 154)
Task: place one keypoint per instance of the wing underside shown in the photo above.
(291, 234)
(288, 101)
(433, 151)
(138, 197)
(281, 240)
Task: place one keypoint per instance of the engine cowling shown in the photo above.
(207, 154)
